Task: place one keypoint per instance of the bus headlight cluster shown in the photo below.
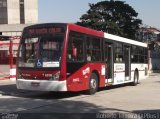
(55, 76)
(20, 76)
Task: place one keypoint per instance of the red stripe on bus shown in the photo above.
(119, 71)
(124, 71)
(138, 70)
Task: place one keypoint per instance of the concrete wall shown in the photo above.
(31, 11)
(154, 60)
(13, 27)
(155, 64)
(4, 70)
(13, 12)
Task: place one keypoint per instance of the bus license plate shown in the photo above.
(35, 84)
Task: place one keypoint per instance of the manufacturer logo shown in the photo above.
(86, 71)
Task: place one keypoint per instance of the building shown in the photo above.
(18, 11)
(148, 34)
(151, 36)
(8, 31)
(14, 16)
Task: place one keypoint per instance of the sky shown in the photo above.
(69, 11)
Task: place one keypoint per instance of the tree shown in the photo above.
(114, 17)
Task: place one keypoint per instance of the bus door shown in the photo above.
(109, 62)
(127, 60)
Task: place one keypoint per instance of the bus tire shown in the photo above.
(136, 78)
(93, 84)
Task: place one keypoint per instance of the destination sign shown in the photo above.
(45, 30)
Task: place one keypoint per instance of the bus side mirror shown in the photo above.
(74, 52)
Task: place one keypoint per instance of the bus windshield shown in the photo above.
(41, 51)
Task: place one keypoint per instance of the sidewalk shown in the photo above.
(4, 72)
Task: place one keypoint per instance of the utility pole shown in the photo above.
(12, 68)
(11, 53)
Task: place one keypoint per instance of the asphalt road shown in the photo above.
(125, 99)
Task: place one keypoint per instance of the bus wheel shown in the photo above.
(136, 78)
(93, 84)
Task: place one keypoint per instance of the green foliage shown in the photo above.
(114, 17)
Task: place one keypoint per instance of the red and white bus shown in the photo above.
(68, 57)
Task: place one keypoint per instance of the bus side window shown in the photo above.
(70, 53)
(93, 48)
(88, 57)
(118, 53)
(75, 50)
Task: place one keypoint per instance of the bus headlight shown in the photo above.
(19, 76)
(55, 77)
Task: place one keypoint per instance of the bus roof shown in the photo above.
(124, 40)
(105, 35)
(85, 30)
(90, 31)
(46, 25)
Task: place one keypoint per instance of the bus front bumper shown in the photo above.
(41, 85)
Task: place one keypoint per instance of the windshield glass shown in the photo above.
(41, 51)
